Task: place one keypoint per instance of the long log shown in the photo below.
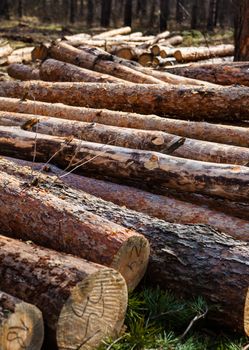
(22, 55)
(53, 70)
(188, 259)
(23, 72)
(123, 164)
(113, 32)
(196, 103)
(21, 324)
(71, 230)
(226, 134)
(132, 138)
(81, 302)
(189, 54)
(223, 74)
(163, 207)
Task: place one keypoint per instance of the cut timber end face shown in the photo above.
(132, 260)
(23, 329)
(95, 310)
(246, 314)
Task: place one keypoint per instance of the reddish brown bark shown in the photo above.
(23, 72)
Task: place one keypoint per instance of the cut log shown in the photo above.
(22, 55)
(153, 168)
(145, 59)
(163, 207)
(5, 51)
(113, 32)
(188, 259)
(163, 51)
(174, 40)
(71, 230)
(223, 74)
(53, 70)
(131, 138)
(21, 324)
(81, 302)
(76, 39)
(163, 62)
(200, 53)
(23, 72)
(196, 103)
(158, 37)
(234, 135)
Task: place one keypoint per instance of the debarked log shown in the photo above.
(81, 302)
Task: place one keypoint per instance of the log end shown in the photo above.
(95, 310)
(23, 329)
(132, 260)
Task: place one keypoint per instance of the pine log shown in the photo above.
(5, 51)
(163, 62)
(23, 72)
(21, 324)
(53, 70)
(163, 207)
(145, 59)
(22, 55)
(226, 134)
(158, 37)
(188, 259)
(78, 232)
(193, 102)
(113, 32)
(163, 51)
(81, 302)
(172, 41)
(131, 138)
(152, 168)
(76, 39)
(223, 74)
(189, 54)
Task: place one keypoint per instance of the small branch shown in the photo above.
(195, 319)
(174, 146)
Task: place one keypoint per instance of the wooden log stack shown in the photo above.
(160, 183)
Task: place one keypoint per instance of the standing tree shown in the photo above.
(89, 19)
(164, 14)
(241, 26)
(212, 15)
(128, 13)
(4, 9)
(20, 9)
(106, 6)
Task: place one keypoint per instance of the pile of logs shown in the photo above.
(109, 171)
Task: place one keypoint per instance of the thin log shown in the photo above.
(126, 137)
(188, 259)
(53, 70)
(172, 41)
(78, 232)
(23, 72)
(193, 102)
(113, 32)
(21, 324)
(158, 37)
(226, 134)
(81, 302)
(155, 169)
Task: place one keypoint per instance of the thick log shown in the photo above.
(81, 302)
(165, 207)
(53, 70)
(23, 72)
(22, 55)
(78, 232)
(131, 138)
(113, 32)
(188, 259)
(189, 54)
(233, 135)
(163, 51)
(145, 59)
(194, 103)
(153, 168)
(21, 324)
(223, 74)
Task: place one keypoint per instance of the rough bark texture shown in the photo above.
(152, 168)
(53, 70)
(200, 53)
(33, 214)
(21, 324)
(241, 30)
(81, 302)
(196, 103)
(131, 138)
(23, 72)
(227, 134)
(223, 74)
(189, 259)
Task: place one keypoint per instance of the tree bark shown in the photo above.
(164, 14)
(194, 102)
(131, 138)
(226, 134)
(201, 53)
(188, 259)
(106, 6)
(241, 8)
(71, 230)
(81, 302)
(128, 13)
(53, 70)
(90, 12)
(21, 324)
(123, 164)
(23, 72)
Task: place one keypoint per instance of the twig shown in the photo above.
(195, 319)
(115, 342)
(174, 146)
(246, 347)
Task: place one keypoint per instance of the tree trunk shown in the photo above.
(90, 12)
(90, 236)
(226, 134)
(194, 102)
(21, 324)
(4, 9)
(53, 70)
(241, 30)
(179, 14)
(72, 11)
(132, 138)
(189, 54)
(129, 165)
(23, 72)
(106, 6)
(164, 14)
(20, 9)
(188, 259)
(211, 15)
(128, 13)
(194, 14)
(81, 302)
